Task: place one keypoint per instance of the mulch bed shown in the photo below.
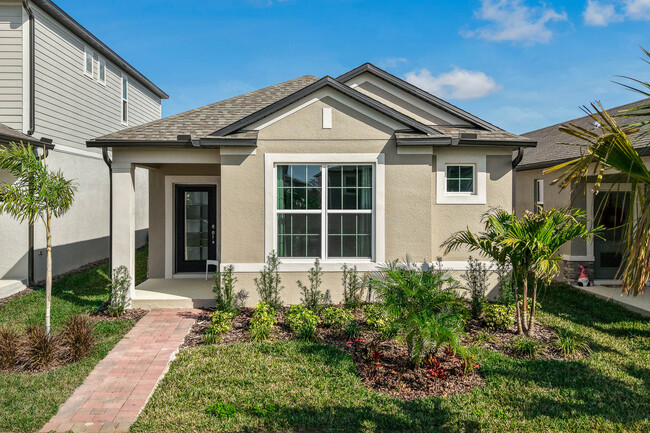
(500, 340)
(383, 367)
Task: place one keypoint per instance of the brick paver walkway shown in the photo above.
(115, 392)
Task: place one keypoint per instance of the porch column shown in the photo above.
(124, 219)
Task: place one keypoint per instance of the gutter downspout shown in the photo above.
(109, 163)
(30, 131)
(515, 163)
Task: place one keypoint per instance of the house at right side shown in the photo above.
(534, 190)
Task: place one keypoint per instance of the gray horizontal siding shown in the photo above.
(11, 65)
(72, 107)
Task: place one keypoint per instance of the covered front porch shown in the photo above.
(185, 293)
(184, 223)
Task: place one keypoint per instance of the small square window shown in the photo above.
(460, 179)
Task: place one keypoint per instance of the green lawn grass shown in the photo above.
(296, 386)
(27, 401)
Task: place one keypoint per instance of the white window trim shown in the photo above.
(479, 196)
(270, 190)
(464, 164)
(87, 51)
(539, 198)
(122, 99)
(101, 62)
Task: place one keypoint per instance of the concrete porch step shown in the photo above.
(157, 293)
(10, 287)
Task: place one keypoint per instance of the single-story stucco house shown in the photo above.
(602, 257)
(359, 170)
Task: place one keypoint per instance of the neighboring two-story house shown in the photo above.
(61, 83)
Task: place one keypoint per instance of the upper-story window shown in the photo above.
(101, 74)
(125, 100)
(460, 178)
(539, 195)
(89, 63)
(324, 211)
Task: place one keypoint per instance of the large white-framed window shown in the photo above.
(329, 206)
(539, 195)
(125, 100)
(89, 62)
(324, 211)
(101, 71)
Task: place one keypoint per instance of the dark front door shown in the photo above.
(196, 226)
(611, 211)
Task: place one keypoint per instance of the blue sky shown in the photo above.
(520, 64)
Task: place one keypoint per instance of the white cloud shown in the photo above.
(455, 84)
(512, 20)
(392, 62)
(637, 9)
(600, 14)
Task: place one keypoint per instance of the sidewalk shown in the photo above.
(115, 392)
(639, 304)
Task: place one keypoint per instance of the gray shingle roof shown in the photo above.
(458, 133)
(8, 135)
(549, 151)
(203, 121)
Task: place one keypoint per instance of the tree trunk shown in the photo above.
(531, 320)
(524, 307)
(48, 282)
(518, 310)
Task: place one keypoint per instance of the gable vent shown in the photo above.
(327, 118)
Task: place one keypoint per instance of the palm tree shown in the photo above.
(529, 245)
(611, 150)
(616, 150)
(37, 194)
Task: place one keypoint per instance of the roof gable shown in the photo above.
(439, 104)
(314, 87)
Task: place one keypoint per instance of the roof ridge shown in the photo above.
(575, 119)
(174, 116)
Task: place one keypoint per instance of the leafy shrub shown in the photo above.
(506, 294)
(352, 330)
(268, 285)
(9, 349)
(77, 338)
(570, 344)
(476, 278)
(40, 349)
(312, 297)
(221, 410)
(526, 346)
(499, 316)
(302, 321)
(221, 321)
(262, 322)
(118, 286)
(353, 286)
(337, 318)
(224, 290)
(421, 301)
(377, 319)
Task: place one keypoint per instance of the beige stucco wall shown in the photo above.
(414, 224)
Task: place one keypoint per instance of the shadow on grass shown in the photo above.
(578, 389)
(408, 416)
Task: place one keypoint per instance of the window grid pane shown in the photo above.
(299, 187)
(299, 235)
(349, 235)
(349, 187)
